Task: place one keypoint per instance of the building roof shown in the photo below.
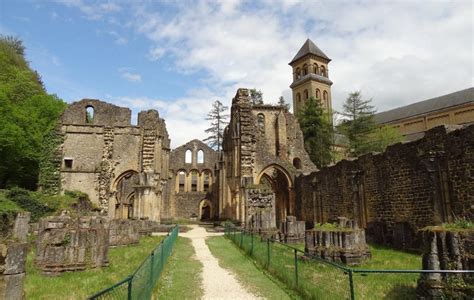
(423, 107)
(309, 48)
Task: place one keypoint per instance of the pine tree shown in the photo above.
(256, 96)
(317, 132)
(358, 123)
(282, 102)
(218, 119)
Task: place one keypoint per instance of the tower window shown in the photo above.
(305, 69)
(89, 114)
(323, 71)
(315, 69)
(325, 96)
(181, 180)
(188, 157)
(306, 94)
(206, 181)
(68, 163)
(318, 94)
(298, 73)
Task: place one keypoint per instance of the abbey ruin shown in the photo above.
(263, 173)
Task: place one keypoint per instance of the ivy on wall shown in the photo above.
(50, 162)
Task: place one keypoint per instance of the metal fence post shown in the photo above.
(268, 253)
(296, 267)
(351, 284)
(152, 267)
(129, 296)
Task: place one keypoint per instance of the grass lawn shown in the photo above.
(249, 274)
(181, 278)
(79, 285)
(319, 280)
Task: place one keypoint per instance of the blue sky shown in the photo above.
(180, 56)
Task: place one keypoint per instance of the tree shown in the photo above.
(27, 114)
(382, 137)
(282, 102)
(218, 119)
(358, 123)
(317, 132)
(256, 96)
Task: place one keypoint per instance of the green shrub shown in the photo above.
(27, 201)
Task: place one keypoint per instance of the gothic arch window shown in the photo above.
(305, 69)
(315, 69)
(206, 180)
(323, 71)
(188, 157)
(89, 114)
(261, 123)
(181, 181)
(318, 94)
(200, 157)
(194, 181)
(306, 96)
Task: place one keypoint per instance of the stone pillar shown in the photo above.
(13, 251)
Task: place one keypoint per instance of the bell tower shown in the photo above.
(310, 77)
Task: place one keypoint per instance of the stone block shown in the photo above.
(11, 286)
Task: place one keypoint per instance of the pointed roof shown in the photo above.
(309, 48)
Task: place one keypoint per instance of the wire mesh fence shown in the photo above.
(140, 284)
(315, 278)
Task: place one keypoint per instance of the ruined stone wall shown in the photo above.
(395, 193)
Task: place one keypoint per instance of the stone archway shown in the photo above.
(279, 181)
(205, 210)
(125, 194)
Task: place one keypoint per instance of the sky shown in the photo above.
(180, 56)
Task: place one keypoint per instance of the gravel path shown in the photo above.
(218, 283)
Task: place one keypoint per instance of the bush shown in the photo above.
(26, 200)
(8, 212)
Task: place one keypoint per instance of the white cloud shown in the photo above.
(129, 75)
(92, 10)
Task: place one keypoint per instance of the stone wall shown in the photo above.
(398, 192)
(71, 244)
(447, 250)
(123, 232)
(13, 251)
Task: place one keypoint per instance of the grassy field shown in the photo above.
(319, 280)
(181, 278)
(250, 274)
(80, 285)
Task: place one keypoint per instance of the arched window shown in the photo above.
(297, 163)
(89, 114)
(315, 69)
(298, 97)
(298, 73)
(181, 181)
(200, 157)
(325, 96)
(206, 180)
(188, 157)
(305, 69)
(194, 181)
(318, 94)
(261, 123)
(306, 96)
(323, 71)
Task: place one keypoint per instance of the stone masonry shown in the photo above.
(71, 244)
(13, 251)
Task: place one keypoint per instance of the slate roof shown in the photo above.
(423, 107)
(309, 48)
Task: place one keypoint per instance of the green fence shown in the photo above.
(316, 278)
(140, 284)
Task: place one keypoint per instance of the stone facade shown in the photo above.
(447, 250)
(394, 194)
(13, 251)
(193, 188)
(123, 168)
(123, 232)
(262, 149)
(71, 244)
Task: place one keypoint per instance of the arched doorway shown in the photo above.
(125, 194)
(205, 210)
(278, 180)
